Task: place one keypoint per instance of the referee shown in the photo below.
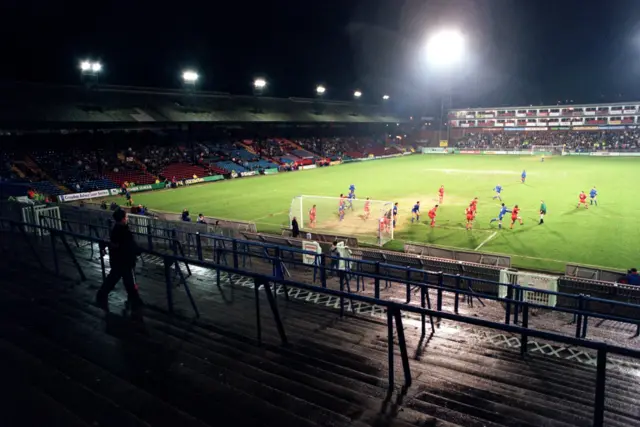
(123, 252)
(543, 211)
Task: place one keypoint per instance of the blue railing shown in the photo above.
(274, 254)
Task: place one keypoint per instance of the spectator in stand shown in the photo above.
(201, 219)
(185, 216)
(631, 278)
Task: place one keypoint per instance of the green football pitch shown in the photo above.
(606, 235)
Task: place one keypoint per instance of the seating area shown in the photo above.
(183, 171)
(230, 166)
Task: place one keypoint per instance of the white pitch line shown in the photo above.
(486, 240)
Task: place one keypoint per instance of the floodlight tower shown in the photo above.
(259, 87)
(319, 107)
(320, 91)
(90, 71)
(445, 50)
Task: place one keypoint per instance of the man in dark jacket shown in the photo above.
(295, 228)
(123, 252)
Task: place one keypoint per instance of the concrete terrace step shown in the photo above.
(328, 400)
(334, 370)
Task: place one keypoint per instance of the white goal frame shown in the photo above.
(368, 230)
(530, 280)
(554, 149)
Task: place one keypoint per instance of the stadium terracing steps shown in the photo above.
(67, 363)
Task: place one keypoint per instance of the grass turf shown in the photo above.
(604, 235)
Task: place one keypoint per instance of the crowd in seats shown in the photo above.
(614, 140)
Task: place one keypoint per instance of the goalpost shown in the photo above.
(552, 150)
(531, 280)
(374, 227)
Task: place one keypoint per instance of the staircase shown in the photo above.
(77, 366)
(18, 172)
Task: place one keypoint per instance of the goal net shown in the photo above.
(373, 225)
(531, 280)
(548, 150)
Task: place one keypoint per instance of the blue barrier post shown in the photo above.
(199, 246)
(149, 237)
(376, 282)
(55, 253)
(507, 312)
(586, 317)
(235, 253)
(579, 321)
(439, 293)
(167, 278)
(390, 347)
(524, 339)
(323, 270)
(601, 372)
(408, 285)
(516, 306)
(456, 302)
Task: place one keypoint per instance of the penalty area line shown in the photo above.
(486, 240)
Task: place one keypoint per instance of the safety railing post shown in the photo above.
(256, 288)
(235, 253)
(507, 311)
(390, 347)
(585, 321)
(199, 246)
(456, 302)
(439, 293)
(323, 270)
(601, 374)
(524, 339)
(54, 252)
(580, 317)
(149, 237)
(408, 285)
(376, 281)
(516, 306)
(169, 283)
(402, 343)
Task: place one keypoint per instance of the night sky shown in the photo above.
(518, 51)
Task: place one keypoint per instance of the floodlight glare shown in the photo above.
(445, 48)
(259, 83)
(320, 90)
(96, 67)
(85, 65)
(357, 94)
(190, 76)
(385, 97)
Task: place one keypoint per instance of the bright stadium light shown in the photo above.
(90, 67)
(85, 65)
(385, 97)
(445, 48)
(259, 83)
(96, 67)
(190, 77)
(357, 94)
(320, 90)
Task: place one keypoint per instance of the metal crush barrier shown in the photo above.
(592, 273)
(501, 261)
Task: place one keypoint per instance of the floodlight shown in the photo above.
(385, 97)
(259, 83)
(96, 67)
(320, 90)
(445, 48)
(85, 65)
(357, 94)
(190, 76)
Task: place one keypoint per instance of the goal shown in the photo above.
(550, 150)
(376, 228)
(531, 280)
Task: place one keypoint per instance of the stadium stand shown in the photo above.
(615, 140)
